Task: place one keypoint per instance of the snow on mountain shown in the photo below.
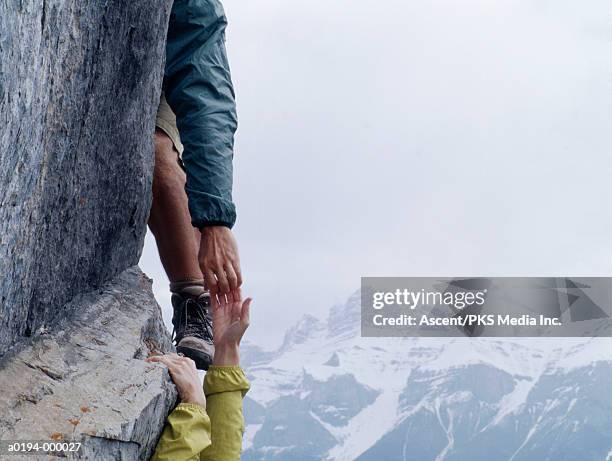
(329, 394)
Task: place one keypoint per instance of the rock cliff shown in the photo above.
(86, 379)
(79, 85)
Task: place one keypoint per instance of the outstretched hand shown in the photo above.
(231, 318)
(219, 260)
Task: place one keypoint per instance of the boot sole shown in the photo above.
(201, 359)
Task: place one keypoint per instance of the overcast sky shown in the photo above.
(415, 137)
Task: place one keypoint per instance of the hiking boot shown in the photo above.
(192, 334)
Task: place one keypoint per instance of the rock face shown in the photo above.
(79, 81)
(87, 381)
(79, 87)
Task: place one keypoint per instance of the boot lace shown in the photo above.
(193, 321)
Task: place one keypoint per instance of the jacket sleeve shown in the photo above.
(185, 436)
(198, 87)
(224, 388)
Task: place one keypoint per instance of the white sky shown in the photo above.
(423, 137)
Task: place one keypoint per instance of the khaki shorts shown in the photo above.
(166, 121)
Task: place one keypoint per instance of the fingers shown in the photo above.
(165, 359)
(211, 282)
(236, 295)
(221, 300)
(226, 300)
(241, 313)
(218, 301)
(222, 280)
(217, 282)
(235, 311)
(214, 302)
(238, 274)
(245, 316)
(232, 308)
(190, 363)
(172, 361)
(222, 283)
(232, 279)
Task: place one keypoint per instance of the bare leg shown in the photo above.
(178, 245)
(177, 240)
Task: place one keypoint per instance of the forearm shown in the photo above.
(186, 434)
(199, 89)
(225, 387)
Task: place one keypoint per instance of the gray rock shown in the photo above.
(87, 380)
(79, 86)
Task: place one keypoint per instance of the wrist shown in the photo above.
(195, 399)
(226, 355)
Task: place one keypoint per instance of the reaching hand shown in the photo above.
(230, 320)
(185, 376)
(219, 260)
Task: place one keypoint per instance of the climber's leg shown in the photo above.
(177, 240)
(178, 243)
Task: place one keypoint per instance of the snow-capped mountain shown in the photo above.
(329, 394)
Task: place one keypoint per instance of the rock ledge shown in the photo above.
(87, 381)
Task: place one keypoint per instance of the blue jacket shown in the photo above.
(198, 87)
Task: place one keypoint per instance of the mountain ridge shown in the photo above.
(423, 398)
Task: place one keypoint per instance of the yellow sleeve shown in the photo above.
(186, 434)
(224, 388)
